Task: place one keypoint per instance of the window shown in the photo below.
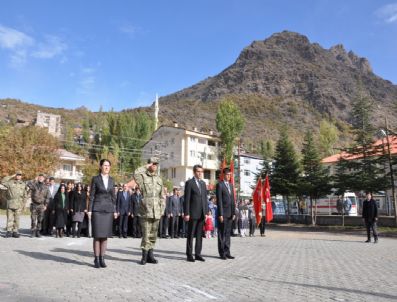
(210, 156)
(202, 141)
(192, 153)
(192, 139)
(172, 141)
(67, 167)
(173, 172)
(247, 173)
(172, 155)
(246, 160)
(211, 143)
(207, 174)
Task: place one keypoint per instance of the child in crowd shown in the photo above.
(209, 225)
(244, 221)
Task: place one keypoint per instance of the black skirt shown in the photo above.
(102, 224)
(61, 217)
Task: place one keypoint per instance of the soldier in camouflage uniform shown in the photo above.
(16, 196)
(151, 207)
(40, 198)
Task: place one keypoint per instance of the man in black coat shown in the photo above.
(136, 201)
(370, 216)
(174, 212)
(196, 209)
(123, 209)
(225, 216)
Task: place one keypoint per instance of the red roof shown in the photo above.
(336, 157)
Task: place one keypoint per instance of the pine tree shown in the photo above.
(285, 176)
(315, 181)
(366, 163)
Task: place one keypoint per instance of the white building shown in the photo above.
(180, 149)
(50, 121)
(250, 166)
(70, 167)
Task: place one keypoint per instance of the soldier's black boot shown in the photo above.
(96, 262)
(15, 235)
(8, 234)
(150, 257)
(144, 257)
(102, 261)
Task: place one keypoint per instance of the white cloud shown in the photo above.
(21, 47)
(87, 81)
(388, 13)
(13, 39)
(51, 47)
(130, 29)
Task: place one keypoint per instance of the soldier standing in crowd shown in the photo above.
(40, 198)
(370, 217)
(16, 196)
(152, 206)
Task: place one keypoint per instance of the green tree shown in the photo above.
(30, 149)
(230, 123)
(315, 180)
(329, 135)
(285, 176)
(267, 149)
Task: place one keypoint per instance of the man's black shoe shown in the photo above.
(376, 240)
(38, 234)
(15, 235)
(229, 257)
(223, 257)
(369, 240)
(199, 258)
(190, 259)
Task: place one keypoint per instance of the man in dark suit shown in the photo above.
(174, 212)
(136, 201)
(196, 209)
(370, 217)
(226, 214)
(123, 208)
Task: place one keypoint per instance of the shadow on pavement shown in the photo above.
(91, 255)
(50, 257)
(336, 289)
(156, 253)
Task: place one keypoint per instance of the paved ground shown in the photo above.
(283, 266)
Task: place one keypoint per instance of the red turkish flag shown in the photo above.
(232, 178)
(257, 197)
(268, 200)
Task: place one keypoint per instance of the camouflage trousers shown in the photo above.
(149, 227)
(37, 215)
(13, 220)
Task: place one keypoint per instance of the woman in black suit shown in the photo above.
(102, 209)
(61, 209)
(78, 205)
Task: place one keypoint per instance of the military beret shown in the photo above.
(153, 160)
(41, 174)
(18, 173)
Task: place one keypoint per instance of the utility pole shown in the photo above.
(391, 171)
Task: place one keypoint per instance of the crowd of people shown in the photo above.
(141, 208)
(60, 210)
